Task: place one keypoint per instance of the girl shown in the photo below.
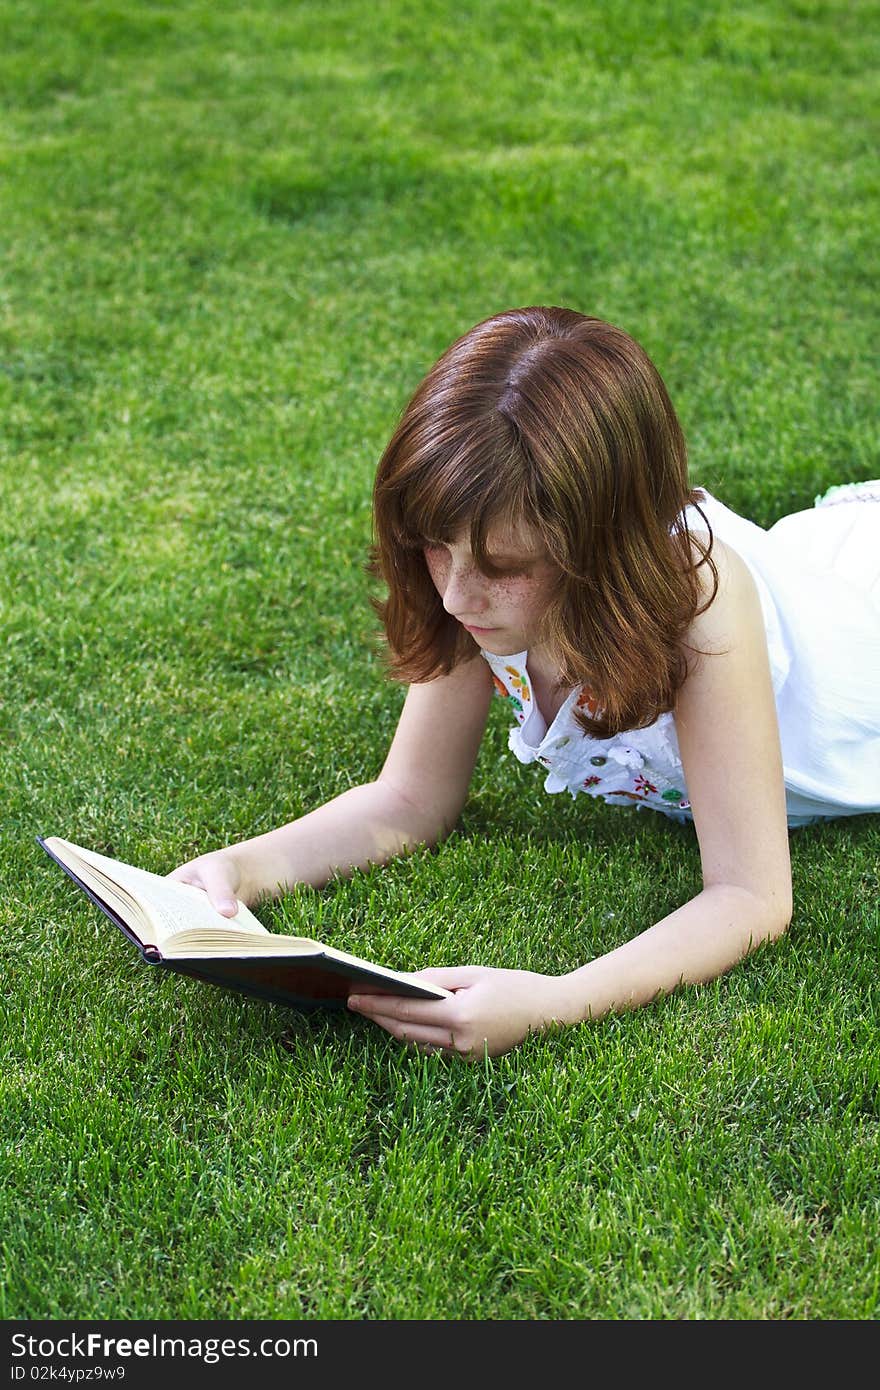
(538, 536)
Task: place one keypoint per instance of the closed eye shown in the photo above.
(502, 567)
(511, 567)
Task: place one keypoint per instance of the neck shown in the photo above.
(543, 666)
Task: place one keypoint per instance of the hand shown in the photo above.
(218, 874)
(490, 1011)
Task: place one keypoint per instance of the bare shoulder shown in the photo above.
(727, 691)
(730, 610)
(456, 704)
(434, 751)
(467, 686)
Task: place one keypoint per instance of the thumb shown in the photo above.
(451, 976)
(220, 893)
(215, 878)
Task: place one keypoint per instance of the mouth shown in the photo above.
(478, 631)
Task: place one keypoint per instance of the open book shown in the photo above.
(174, 925)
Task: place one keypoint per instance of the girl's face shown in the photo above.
(501, 612)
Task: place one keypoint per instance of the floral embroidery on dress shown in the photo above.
(587, 701)
(519, 683)
(640, 767)
(502, 690)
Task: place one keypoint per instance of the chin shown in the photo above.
(500, 645)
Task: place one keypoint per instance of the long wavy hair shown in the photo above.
(552, 418)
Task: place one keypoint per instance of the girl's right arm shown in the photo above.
(416, 799)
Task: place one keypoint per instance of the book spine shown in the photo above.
(149, 953)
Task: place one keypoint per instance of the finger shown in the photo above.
(431, 1049)
(216, 883)
(218, 891)
(419, 1035)
(450, 976)
(184, 873)
(398, 1006)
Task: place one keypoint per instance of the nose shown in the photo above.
(464, 593)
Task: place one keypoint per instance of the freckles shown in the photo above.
(519, 595)
(519, 590)
(438, 569)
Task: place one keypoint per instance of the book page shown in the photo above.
(194, 942)
(179, 922)
(166, 906)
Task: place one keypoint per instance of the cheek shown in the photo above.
(520, 598)
(527, 598)
(437, 563)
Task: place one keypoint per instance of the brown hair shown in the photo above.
(546, 416)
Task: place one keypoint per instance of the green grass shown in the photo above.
(233, 240)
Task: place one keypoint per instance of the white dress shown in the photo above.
(818, 577)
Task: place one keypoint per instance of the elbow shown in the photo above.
(438, 823)
(416, 822)
(761, 915)
(779, 923)
(783, 905)
(775, 913)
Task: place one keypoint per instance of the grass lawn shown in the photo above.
(234, 238)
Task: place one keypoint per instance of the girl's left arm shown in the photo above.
(729, 742)
(728, 736)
